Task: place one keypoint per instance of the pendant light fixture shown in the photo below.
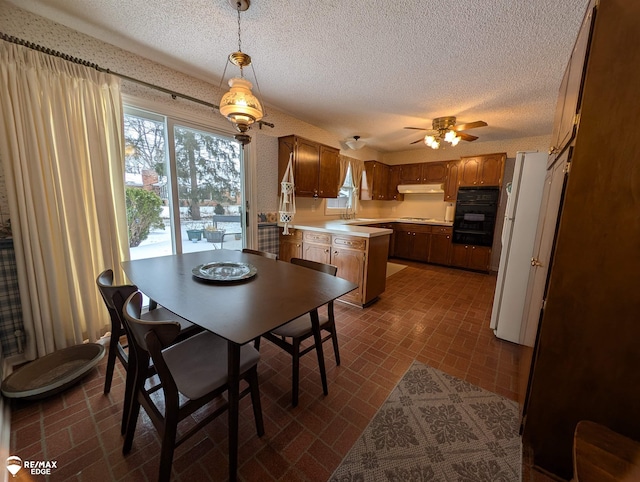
(239, 105)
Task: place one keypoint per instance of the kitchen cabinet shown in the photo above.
(316, 246)
(568, 106)
(316, 166)
(586, 356)
(393, 182)
(349, 256)
(470, 257)
(423, 173)
(484, 170)
(434, 172)
(440, 247)
(377, 181)
(290, 245)
(412, 241)
(411, 173)
(451, 182)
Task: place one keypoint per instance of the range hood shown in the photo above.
(420, 189)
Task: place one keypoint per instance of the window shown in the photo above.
(345, 202)
(183, 186)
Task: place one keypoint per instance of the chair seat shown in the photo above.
(300, 326)
(199, 364)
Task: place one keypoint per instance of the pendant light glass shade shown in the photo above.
(239, 105)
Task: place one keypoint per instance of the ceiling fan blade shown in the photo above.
(415, 142)
(466, 137)
(469, 125)
(418, 128)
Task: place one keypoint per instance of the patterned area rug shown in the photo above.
(435, 427)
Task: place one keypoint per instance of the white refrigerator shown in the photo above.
(524, 196)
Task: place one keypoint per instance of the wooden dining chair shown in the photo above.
(300, 329)
(114, 297)
(266, 254)
(192, 374)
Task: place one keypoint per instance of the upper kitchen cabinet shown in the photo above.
(316, 167)
(434, 172)
(423, 173)
(451, 183)
(569, 97)
(392, 184)
(377, 181)
(484, 170)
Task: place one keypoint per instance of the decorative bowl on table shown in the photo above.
(224, 271)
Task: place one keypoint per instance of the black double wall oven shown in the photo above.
(475, 217)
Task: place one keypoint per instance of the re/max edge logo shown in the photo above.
(35, 467)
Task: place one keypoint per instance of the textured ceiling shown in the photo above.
(367, 67)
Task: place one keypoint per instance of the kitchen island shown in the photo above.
(359, 252)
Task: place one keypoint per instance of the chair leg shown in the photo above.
(134, 411)
(295, 374)
(168, 445)
(334, 340)
(319, 351)
(256, 343)
(252, 378)
(129, 388)
(111, 361)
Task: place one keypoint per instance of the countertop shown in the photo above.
(358, 226)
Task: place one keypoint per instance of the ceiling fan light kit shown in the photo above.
(356, 143)
(445, 129)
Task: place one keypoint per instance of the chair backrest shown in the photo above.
(260, 253)
(165, 331)
(114, 297)
(325, 268)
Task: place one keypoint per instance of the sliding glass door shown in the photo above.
(184, 186)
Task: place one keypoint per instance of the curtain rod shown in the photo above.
(75, 60)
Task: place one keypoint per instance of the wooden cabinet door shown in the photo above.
(479, 258)
(329, 172)
(434, 172)
(491, 169)
(392, 184)
(290, 249)
(420, 246)
(440, 250)
(350, 264)
(411, 173)
(451, 183)
(469, 174)
(402, 243)
(316, 252)
(459, 255)
(570, 95)
(380, 175)
(307, 155)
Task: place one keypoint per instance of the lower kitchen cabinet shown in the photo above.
(440, 247)
(290, 245)
(316, 246)
(411, 241)
(470, 256)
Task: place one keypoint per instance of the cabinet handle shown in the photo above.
(326, 250)
(535, 262)
(448, 236)
(335, 253)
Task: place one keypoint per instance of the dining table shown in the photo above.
(264, 295)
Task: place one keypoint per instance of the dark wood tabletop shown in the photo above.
(238, 311)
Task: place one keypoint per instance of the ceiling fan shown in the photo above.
(445, 129)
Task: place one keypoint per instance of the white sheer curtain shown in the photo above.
(61, 147)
